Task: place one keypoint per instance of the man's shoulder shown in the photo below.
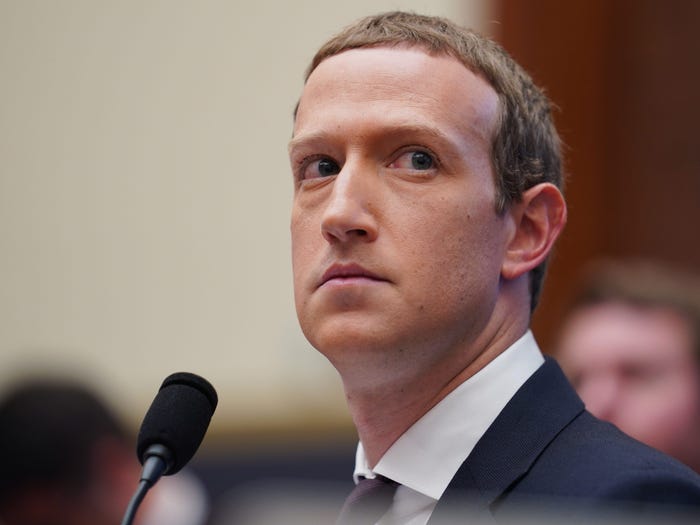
(593, 459)
(546, 450)
(545, 443)
(594, 474)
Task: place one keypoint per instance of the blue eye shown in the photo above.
(421, 160)
(417, 160)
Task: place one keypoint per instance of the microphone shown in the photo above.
(172, 430)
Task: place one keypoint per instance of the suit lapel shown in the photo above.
(538, 411)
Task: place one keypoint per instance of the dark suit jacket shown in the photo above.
(546, 455)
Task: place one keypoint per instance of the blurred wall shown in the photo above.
(145, 194)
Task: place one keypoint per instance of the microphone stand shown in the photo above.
(136, 500)
(153, 468)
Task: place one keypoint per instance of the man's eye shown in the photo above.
(321, 168)
(327, 167)
(414, 160)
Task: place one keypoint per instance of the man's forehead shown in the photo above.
(378, 59)
(417, 47)
(401, 75)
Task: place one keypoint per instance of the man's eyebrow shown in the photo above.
(306, 138)
(389, 132)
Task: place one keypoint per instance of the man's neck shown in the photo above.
(384, 410)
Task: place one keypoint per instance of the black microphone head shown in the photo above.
(178, 418)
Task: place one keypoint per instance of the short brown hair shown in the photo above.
(525, 148)
(645, 284)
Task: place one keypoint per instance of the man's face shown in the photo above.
(396, 244)
(635, 367)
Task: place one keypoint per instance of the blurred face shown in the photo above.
(397, 247)
(635, 368)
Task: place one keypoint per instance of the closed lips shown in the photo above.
(348, 272)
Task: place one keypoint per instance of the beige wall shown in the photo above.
(145, 193)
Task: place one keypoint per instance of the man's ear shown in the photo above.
(539, 218)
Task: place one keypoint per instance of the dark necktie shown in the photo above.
(368, 501)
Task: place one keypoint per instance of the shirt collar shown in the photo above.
(426, 457)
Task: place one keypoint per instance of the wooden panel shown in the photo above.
(625, 76)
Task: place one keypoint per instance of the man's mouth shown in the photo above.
(346, 273)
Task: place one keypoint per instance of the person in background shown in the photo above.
(66, 459)
(427, 198)
(631, 346)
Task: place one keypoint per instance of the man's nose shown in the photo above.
(349, 214)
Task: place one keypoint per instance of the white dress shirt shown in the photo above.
(427, 456)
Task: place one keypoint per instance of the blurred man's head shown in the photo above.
(64, 458)
(631, 347)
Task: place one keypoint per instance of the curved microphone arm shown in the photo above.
(158, 460)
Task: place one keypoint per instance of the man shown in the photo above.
(631, 346)
(427, 199)
(65, 459)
